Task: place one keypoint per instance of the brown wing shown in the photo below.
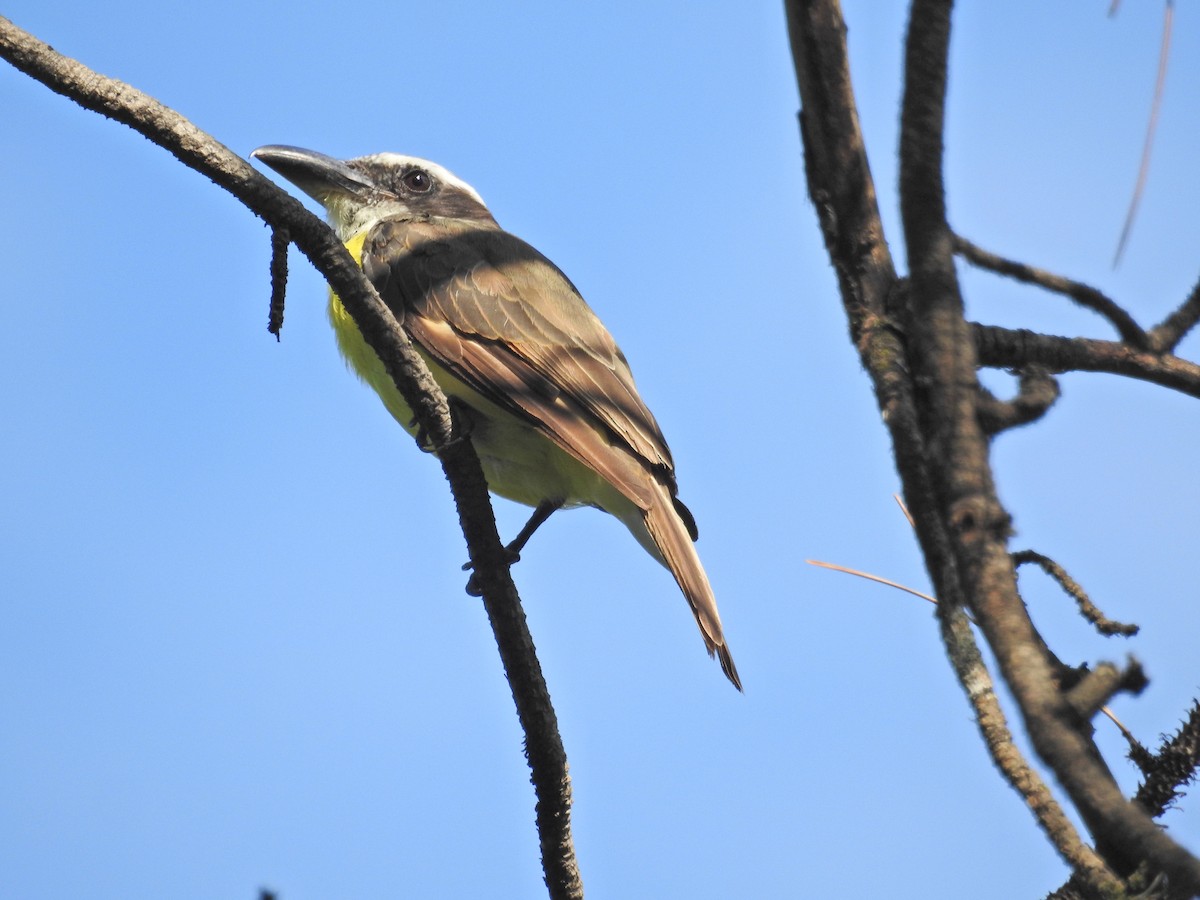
(501, 317)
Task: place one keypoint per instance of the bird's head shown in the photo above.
(357, 193)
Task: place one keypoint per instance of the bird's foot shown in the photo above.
(461, 427)
(422, 436)
(473, 588)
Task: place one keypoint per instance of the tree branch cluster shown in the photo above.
(923, 355)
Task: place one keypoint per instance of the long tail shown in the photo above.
(673, 539)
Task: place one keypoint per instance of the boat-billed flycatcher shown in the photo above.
(554, 413)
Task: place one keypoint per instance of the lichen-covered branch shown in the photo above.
(981, 693)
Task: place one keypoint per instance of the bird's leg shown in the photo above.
(512, 550)
(541, 513)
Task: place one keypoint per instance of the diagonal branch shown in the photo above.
(840, 185)
(199, 151)
(981, 693)
(976, 527)
(1166, 336)
(964, 528)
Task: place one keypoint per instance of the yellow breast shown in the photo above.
(519, 462)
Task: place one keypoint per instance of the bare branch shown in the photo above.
(1083, 294)
(199, 151)
(1006, 348)
(1165, 338)
(978, 568)
(1036, 393)
(839, 177)
(1087, 608)
(280, 241)
(841, 188)
(1100, 685)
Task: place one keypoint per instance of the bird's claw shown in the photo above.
(461, 424)
(422, 436)
(473, 587)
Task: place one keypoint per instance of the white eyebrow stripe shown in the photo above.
(441, 173)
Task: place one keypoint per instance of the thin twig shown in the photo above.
(1037, 391)
(1085, 295)
(1087, 608)
(876, 578)
(1165, 337)
(280, 241)
(1108, 713)
(1160, 83)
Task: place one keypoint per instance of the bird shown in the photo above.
(550, 400)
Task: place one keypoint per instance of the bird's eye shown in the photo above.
(417, 181)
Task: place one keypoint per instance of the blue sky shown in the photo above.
(234, 647)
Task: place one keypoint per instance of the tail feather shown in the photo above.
(674, 542)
